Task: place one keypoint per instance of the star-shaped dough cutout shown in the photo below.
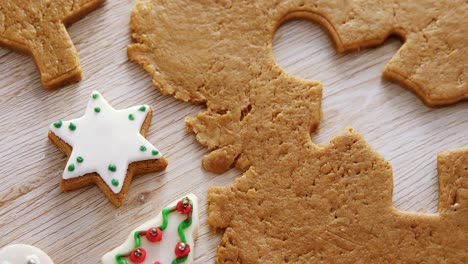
(38, 28)
(106, 147)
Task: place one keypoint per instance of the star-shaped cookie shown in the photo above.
(106, 147)
(38, 28)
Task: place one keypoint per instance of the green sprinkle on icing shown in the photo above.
(112, 167)
(155, 152)
(131, 117)
(97, 109)
(142, 148)
(71, 167)
(79, 159)
(115, 182)
(58, 124)
(142, 108)
(95, 96)
(72, 126)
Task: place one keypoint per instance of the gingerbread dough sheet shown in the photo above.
(334, 205)
(299, 202)
(220, 53)
(38, 28)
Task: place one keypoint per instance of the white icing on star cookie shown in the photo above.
(148, 245)
(23, 254)
(105, 141)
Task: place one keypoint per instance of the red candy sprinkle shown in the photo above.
(182, 249)
(157, 262)
(184, 207)
(138, 255)
(154, 234)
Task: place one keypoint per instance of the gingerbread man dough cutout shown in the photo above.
(38, 28)
(298, 202)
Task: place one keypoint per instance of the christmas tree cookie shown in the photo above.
(166, 239)
(106, 147)
(38, 28)
(23, 254)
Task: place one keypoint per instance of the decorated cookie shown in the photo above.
(23, 254)
(168, 238)
(333, 204)
(38, 28)
(106, 147)
(226, 60)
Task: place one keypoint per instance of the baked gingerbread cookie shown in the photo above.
(38, 28)
(219, 53)
(23, 254)
(167, 238)
(106, 147)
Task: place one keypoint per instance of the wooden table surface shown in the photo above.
(80, 226)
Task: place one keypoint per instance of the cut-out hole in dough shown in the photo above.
(403, 130)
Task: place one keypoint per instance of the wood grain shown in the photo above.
(80, 226)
